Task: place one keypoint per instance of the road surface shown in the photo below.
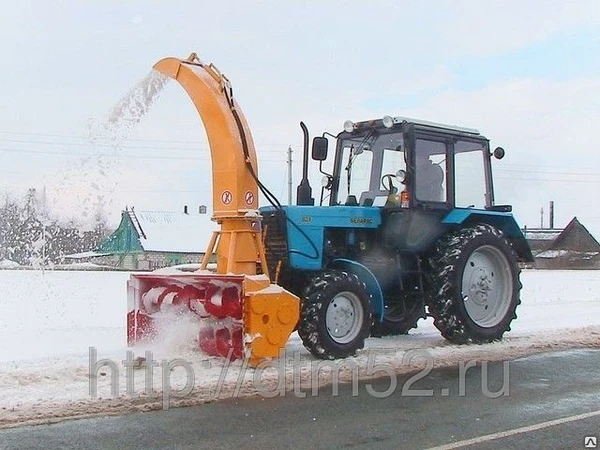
(549, 401)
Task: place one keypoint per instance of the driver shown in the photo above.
(429, 179)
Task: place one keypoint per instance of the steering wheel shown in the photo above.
(390, 186)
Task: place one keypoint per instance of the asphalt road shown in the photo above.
(549, 401)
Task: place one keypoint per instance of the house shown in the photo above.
(573, 247)
(149, 240)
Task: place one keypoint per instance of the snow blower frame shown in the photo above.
(243, 314)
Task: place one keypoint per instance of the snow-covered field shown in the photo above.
(57, 326)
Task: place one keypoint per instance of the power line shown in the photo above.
(553, 180)
(118, 153)
(204, 157)
(118, 147)
(163, 141)
(549, 172)
(117, 156)
(499, 168)
(502, 165)
(119, 191)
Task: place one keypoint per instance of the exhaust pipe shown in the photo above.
(304, 192)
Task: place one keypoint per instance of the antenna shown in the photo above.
(289, 161)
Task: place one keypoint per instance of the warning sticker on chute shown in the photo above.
(249, 197)
(226, 197)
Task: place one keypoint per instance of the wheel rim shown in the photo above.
(487, 289)
(344, 317)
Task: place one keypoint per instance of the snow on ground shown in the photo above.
(57, 327)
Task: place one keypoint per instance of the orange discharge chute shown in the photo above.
(239, 313)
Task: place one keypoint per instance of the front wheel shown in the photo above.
(474, 285)
(336, 315)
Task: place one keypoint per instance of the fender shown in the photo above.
(368, 278)
(504, 221)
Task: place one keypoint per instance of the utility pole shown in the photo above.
(289, 161)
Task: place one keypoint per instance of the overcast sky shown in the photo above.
(526, 73)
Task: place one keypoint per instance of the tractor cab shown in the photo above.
(415, 172)
(402, 163)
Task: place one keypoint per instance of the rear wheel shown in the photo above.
(474, 285)
(336, 315)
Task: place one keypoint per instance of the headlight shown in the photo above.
(388, 121)
(348, 126)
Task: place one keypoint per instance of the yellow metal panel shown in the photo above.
(270, 316)
(234, 189)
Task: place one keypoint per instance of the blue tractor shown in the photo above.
(406, 227)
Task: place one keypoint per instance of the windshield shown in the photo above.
(363, 160)
(469, 174)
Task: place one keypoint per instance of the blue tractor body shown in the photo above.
(307, 229)
(406, 227)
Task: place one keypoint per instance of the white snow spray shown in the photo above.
(92, 185)
(129, 111)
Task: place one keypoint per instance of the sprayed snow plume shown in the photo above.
(129, 111)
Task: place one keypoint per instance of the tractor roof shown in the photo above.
(389, 122)
(427, 123)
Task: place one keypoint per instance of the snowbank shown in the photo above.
(8, 264)
(60, 327)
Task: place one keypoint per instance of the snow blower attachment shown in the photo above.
(239, 313)
(237, 316)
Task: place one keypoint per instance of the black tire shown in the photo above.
(399, 320)
(326, 331)
(473, 285)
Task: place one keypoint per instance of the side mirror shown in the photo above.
(499, 153)
(319, 148)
